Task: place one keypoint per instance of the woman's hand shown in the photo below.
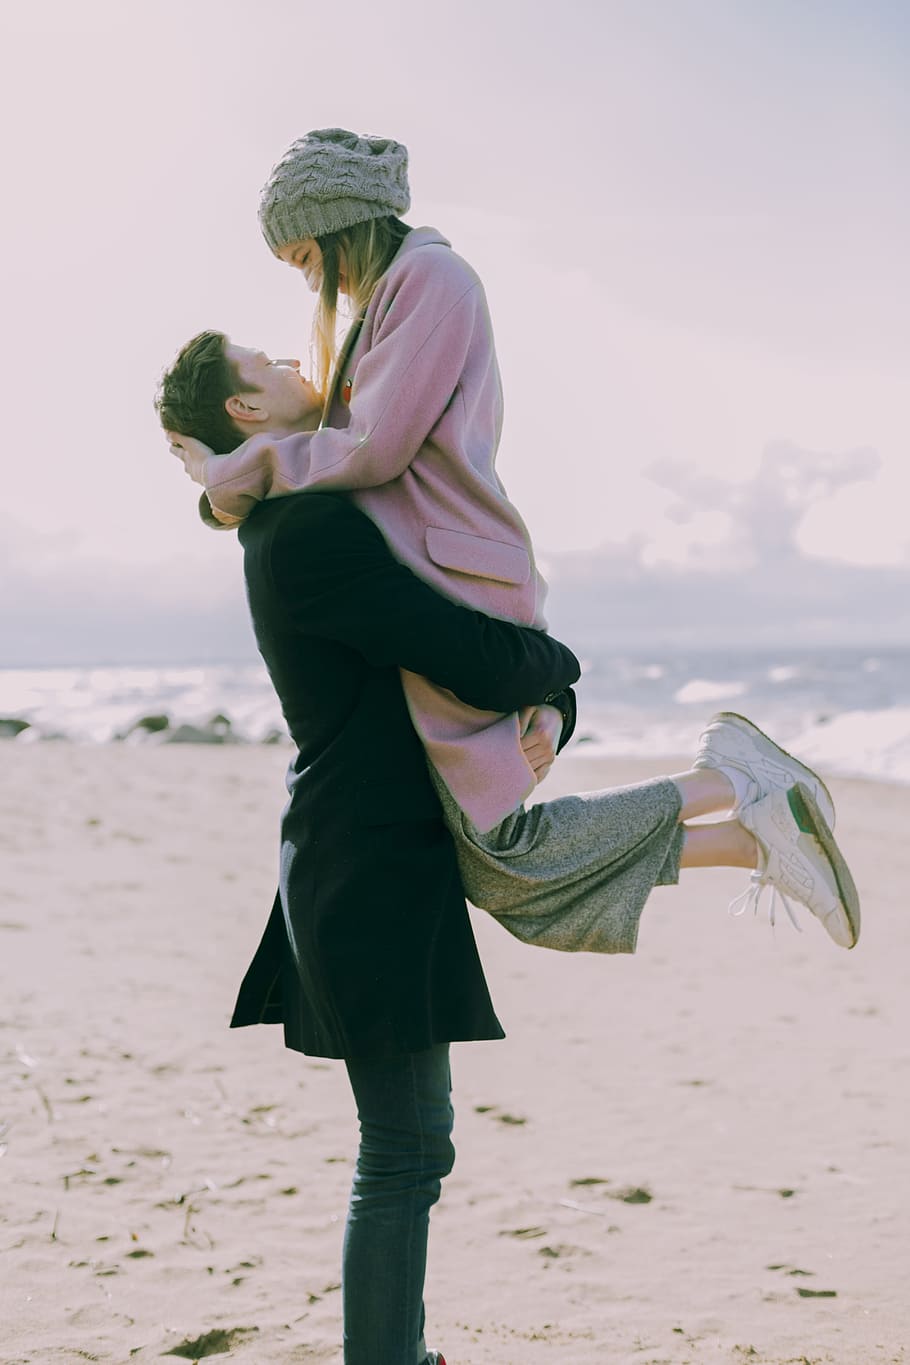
(191, 452)
(541, 728)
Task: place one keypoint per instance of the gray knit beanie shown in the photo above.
(329, 180)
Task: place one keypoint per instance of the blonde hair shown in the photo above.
(368, 251)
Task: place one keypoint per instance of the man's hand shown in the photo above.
(541, 728)
(192, 452)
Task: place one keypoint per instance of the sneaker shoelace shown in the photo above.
(751, 898)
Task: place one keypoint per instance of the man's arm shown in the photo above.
(337, 579)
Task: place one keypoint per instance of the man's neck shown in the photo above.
(276, 430)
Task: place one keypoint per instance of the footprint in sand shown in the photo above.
(514, 1119)
(561, 1251)
(97, 1315)
(628, 1194)
(809, 1274)
(217, 1342)
(632, 1194)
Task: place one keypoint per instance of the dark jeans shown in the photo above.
(405, 1113)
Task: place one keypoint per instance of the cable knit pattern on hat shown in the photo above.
(329, 180)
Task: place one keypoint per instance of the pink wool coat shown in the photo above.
(411, 431)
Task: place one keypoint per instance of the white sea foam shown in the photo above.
(860, 744)
(704, 689)
(97, 704)
(626, 739)
(846, 711)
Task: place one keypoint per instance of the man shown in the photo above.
(369, 948)
(368, 953)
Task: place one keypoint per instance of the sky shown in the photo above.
(690, 217)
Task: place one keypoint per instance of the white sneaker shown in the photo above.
(799, 858)
(732, 741)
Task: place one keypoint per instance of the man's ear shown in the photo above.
(240, 410)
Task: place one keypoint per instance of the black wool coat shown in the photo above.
(369, 949)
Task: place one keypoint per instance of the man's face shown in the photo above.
(275, 388)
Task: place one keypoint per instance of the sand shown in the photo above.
(697, 1154)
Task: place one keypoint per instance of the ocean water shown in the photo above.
(846, 710)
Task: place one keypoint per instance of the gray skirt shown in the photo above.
(574, 873)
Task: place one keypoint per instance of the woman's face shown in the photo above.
(305, 255)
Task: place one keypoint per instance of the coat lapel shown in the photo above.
(341, 365)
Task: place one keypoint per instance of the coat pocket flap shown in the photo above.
(477, 555)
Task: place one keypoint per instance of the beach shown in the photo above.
(695, 1154)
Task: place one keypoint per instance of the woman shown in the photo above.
(410, 430)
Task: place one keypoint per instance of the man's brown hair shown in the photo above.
(193, 392)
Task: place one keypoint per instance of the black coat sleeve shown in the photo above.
(565, 703)
(337, 579)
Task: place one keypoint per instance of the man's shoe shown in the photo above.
(798, 858)
(732, 741)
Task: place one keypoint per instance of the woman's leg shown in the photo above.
(703, 791)
(725, 844)
(405, 1113)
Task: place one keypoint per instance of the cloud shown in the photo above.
(764, 512)
(728, 567)
(753, 584)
